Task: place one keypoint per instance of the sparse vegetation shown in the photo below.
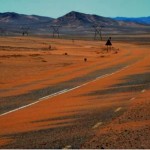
(44, 60)
(85, 59)
(34, 55)
(65, 53)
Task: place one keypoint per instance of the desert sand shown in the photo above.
(99, 103)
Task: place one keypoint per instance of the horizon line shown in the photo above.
(73, 11)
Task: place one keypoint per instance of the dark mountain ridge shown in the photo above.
(80, 19)
(71, 22)
(15, 18)
(72, 18)
(141, 20)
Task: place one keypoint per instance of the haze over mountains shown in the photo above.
(11, 21)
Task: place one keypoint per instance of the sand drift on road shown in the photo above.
(50, 97)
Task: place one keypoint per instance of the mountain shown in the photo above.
(21, 19)
(79, 23)
(80, 19)
(68, 20)
(140, 20)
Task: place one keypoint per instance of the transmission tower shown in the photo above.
(25, 31)
(2, 31)
(55, 29)
(98, 32)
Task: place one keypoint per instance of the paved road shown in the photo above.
(13, 102)
(65, 133)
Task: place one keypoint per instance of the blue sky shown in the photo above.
(57, 8)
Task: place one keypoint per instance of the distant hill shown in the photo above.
(80, 19)
(70, 19)
(141, 20)
(20, 19)
(82, 23)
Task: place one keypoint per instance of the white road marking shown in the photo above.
(62, 92)
(102, 76)
(97, 125)
(132, 98)
(126, 67)
(55, 94)
(118, 109)
(143, 91)
(41, 99)
(67, 147)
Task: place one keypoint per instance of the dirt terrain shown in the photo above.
(57, 93)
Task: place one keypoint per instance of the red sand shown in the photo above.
(69, 103)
